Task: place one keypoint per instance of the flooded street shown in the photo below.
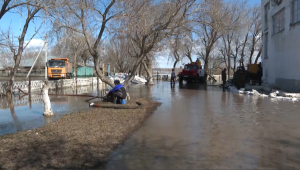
(199, 127)
(25, 115)
(196, 127)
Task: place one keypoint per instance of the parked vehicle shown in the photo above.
(192, 72)
(59, 68)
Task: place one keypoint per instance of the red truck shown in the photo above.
(192, 72)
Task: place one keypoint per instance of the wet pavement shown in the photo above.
(196, 127)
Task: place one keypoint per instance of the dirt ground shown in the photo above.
(75, 141)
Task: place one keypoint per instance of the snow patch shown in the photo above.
(274, 95)
(123, 76)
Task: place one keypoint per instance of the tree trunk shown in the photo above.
(174, 65)
(140, 70)
(234, 64)
(48, 111)
(132, 75)
(258, 55)
(100, 74)
(206, 61)
(75, 71)
(252, 49)
(149, 72)
(13, 73)
(17, 56)
(243, 49)
(13, 114)
(229, 66)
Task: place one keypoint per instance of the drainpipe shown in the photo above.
(108, 70)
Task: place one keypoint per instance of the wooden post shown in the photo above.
(61, 85)
(98, 86)
(103, 84)
(29, 91)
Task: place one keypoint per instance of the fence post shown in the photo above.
(97, 86)
(29, 91)
(29, 85)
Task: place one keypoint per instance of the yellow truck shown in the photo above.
(59, 68)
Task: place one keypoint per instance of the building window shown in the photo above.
(267, 8)
(276, 2)
(295, 11)
(266, 45)
(278, 22)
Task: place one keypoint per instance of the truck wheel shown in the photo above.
(180, 80)
(202, 79)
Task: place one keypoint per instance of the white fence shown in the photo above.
(37, 85)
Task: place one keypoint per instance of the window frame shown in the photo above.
(280, 22)
(266, 45)
(295, 11)
(267, 9)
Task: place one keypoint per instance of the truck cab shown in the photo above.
(59, 68)
(192, 72)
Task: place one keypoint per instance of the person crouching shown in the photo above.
(118, 93)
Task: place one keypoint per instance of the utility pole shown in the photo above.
(35, 60)
(46, 57)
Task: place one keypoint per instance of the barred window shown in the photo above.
(278, 22)
(295, 11)
(267, 8)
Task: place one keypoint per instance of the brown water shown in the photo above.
(199, 127)
(26, 115)
(196, 127)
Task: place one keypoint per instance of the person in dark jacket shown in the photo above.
(173, 76)
(117, 93)
(224, 77)
(259, 73)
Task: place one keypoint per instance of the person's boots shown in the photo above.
(115, 100)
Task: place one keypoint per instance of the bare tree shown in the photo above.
(87, 17)
(188, 50)
(148, 64)
(148, 24)
(18, 48)
(181, 46)
(230, 37)
(210, 26)
(7, 5)
(255, 34)
(176, 47)
(116, 53)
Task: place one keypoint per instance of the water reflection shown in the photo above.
(199, 127)
(17, 116)
(14, 116)
(196, 127)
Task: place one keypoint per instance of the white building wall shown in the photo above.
(282, 67)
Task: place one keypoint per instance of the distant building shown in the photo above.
(281, 43)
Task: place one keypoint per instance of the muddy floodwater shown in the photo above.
(199, 127)
(196, 127)
(26, 115)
